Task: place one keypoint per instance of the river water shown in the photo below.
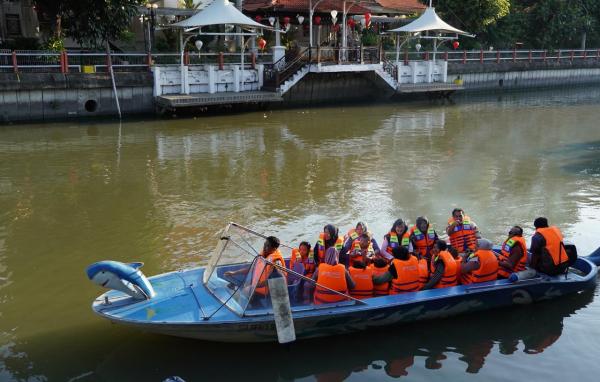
(157, 191)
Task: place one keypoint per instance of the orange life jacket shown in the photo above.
(354, 252)
(380, 289)
(363, 280)
(333, 277)
(393, 241)
(423, 241)
(320, 248)
(407, 279)
(463, 236)
(504, 255)
(262, 271)
(308, 262)
(554, 244)
(449, 277)
(458, 261)
(488, 268)
(423, 272)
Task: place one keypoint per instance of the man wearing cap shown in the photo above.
(480, 266)
(548, 253)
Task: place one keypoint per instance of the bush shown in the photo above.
(369, 37)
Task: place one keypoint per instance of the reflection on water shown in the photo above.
(158, 192)
(461, 344)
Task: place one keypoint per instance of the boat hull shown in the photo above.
(377, 312)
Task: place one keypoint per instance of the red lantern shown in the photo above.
(367, 19)
(351, 23)
(286, 20)
(262, 43)
(455, 44)
(317, 20)
(258, 18)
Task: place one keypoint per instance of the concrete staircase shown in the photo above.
(387, 78)
(294, 79)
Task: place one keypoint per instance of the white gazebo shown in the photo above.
(218, 12)
(428, 26)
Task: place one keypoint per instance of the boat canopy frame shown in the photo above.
(237, 297)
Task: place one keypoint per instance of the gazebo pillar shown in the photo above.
(278, 50)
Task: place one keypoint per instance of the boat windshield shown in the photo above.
(236, 269)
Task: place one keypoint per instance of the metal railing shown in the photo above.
(497, 56)
(73, 61)
(65, 62)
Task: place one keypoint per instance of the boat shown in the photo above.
(205, 303)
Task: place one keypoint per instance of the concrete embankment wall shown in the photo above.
(524, 75)
(324, 88)
(48, 96)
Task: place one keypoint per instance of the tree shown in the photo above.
(93, 22)
(472, 15)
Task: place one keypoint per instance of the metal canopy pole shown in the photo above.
(181, 60)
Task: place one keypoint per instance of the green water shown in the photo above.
(158, 191)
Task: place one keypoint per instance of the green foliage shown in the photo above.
(55, 44)
(548, 24)
(368, 37)
(93, 22)
(189, 4)
(472, 15)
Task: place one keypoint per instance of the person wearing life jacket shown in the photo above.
(480, 266)
(398, 235)
(363, 280)
(513, 255)
(352, 242)
(403, 272)
(442, 267)
(422, 237)
(458, 259)
(462, 231)
(331, 277)
(263, 270)
(548, 254)
(327, 239)
(362, 250)
(380, 266)
(304, 255)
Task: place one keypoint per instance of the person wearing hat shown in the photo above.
(548, 254)
(480, 266)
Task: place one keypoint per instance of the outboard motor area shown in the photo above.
(126, 278)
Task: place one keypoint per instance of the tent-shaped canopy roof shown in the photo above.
(429, 21)
(218, 12)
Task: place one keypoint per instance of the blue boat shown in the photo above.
(204, 303)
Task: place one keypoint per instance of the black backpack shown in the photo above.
(571, 251)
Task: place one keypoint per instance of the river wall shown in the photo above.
(51, 96)
(486, 76)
